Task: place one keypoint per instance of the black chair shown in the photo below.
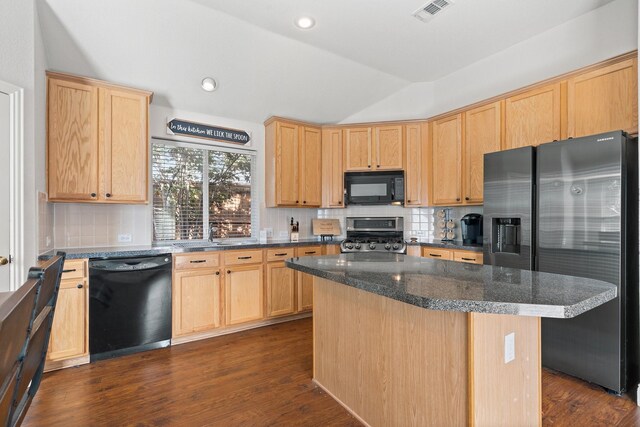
(23, 379)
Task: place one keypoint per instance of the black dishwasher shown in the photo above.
(129, 305)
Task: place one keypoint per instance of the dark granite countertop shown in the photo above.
(147, 250)
(454, 244)
(455, 286)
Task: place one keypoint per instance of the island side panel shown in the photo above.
(504, 394)
(388, 362)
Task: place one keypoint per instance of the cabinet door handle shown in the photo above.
(310, 252)
(197, 261)
(435, 255)
(281, 254)
(71, 270)
(79, 286)
(108, 194)
(468, 259)
(304, 202)
(93, 194)
(244, 257)
(377, 166)
(408, 201)
(368, 166)
(217, 273)
(466, 198)
(339, 202)
(228, 271)
(297, 202)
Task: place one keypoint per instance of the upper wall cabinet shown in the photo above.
(293, 157)
(533, 117)
(374, 148)
(417, 172)
(604, 99)
(446, 166)
(482, 135)
(332, 170)
(97, 141)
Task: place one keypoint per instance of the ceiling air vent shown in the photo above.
(427, 12)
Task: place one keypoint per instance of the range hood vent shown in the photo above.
(427, 12)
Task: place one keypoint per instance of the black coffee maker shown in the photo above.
(471, 225)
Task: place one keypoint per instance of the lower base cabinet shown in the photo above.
(471, 257)
(244, 295)
(305, 281)
(69, 332)
(197, 296)
(280, 289)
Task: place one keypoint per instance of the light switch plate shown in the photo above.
(283, 234)
(509, 347)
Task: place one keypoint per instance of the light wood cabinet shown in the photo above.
(97, 141)
(280, 290)
(332, 169)
(483, 134)
(374, 148)
(305, 281)
(446, 166)
(417, 172)
(331, 250)
(196, 301)
(533, 117)
(293, 157)
(437, 253)
(70, 328)
(244, 293)
(470, 257)
(459, 255)
(604, 99)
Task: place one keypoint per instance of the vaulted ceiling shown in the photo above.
(358, 53)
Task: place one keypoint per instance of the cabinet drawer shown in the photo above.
(280, 254)
(196, 260)
(309, 251)
(74, 269)
(437, 253)
(468, 256)
(243, 257)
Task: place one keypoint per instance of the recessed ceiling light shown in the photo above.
(305, 22)
(209, 84)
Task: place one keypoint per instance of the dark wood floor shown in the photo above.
(254, 378)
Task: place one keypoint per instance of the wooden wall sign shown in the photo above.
(200, 130)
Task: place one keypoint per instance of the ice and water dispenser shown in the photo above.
(506, 235)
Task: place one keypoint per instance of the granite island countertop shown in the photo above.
(453, 286)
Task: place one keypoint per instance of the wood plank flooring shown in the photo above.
(260, 377)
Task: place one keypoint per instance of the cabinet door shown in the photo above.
(124, 146)
(447, 162)
(603, 100)
(72, 141)
(416, 183)
(280, 289)
(244, 295)
(196, 301)
(69, 336)
(389, 148)
(287, 166)
(482, 135)
(310, 167)
(332, 172)
(532, 118)
(305, 292)
(357, 149)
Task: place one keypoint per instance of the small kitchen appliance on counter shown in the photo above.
(381, 234)
(471, 225)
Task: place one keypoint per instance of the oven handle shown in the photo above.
(393, 189)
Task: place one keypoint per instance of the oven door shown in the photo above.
(367, 188)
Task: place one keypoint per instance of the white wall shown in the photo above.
(20, 64)
(595, 36)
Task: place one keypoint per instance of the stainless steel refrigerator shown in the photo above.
(571, 207)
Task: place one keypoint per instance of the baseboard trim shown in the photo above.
(236, 328)
(54, 365)
(356, 416)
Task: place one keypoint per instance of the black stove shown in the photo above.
(381, 234)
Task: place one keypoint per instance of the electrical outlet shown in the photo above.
(283, 234)
(509, 347)
(269, 232)
(124, 238)
(48, 241)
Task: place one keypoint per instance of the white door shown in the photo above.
(5, 179)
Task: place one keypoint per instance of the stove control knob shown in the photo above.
(387, 246)
(358, 246)
(372, 246)
(396, 246)
(349, 246)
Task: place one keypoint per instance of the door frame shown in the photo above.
(17, 267)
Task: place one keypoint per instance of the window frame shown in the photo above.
(205, 185)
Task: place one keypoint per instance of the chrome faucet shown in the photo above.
(212, 232)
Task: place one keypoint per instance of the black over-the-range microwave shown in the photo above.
(374, 188)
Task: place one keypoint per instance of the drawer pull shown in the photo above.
(435, 255)
(217, 273)
(281, 254)
(468, 259)
(197, 261)
(310, 252)
(244, 257)
(79, 286)
(71, 270)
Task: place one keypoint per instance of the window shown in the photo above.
(195, 188)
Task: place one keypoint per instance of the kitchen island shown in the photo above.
(400, 340)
